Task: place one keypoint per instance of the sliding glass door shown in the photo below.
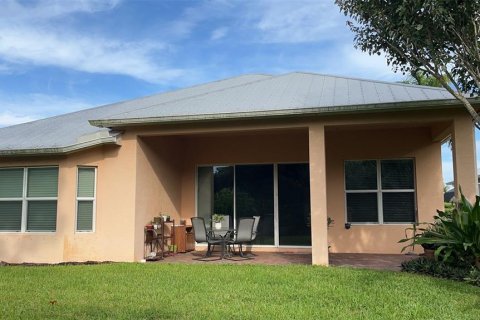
(294, 204)
(254, 197)
(215, 192)
(223, 192)
(240, 191)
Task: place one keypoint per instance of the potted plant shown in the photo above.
(454, 235)
(411, 239)
(422, 238)
(457, 234)
(428, 248)
(217, 221)
(418, 233)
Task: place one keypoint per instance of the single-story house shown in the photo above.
(294, 149)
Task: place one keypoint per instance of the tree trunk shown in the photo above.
(470, 110)
(460, 97)
(477, 262)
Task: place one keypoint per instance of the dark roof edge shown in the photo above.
(397, 106)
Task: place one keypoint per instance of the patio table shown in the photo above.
(222, 234)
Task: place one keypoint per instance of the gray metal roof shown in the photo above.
(72, 131)
(243, 96)
(290, 93)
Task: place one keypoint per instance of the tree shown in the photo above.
(422, 79)
(439, 38)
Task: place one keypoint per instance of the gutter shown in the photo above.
(347, 109)
(61, 150)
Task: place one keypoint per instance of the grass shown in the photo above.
(181, 291)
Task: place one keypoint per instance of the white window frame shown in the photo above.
(379, 191)
(93, 199)
(25, 200)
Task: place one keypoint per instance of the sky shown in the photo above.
(59, 56)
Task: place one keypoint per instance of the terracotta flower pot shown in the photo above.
(429, 253)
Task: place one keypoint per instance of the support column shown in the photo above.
(318, 194)
(464, 157)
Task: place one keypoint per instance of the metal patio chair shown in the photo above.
(243, 235)
(202, 236)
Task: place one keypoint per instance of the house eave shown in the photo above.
(313, 111)
(59, 150)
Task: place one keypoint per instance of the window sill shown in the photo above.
(28, 233)
(381, 224)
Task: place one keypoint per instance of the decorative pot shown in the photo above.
(429, 253)
(218, 225)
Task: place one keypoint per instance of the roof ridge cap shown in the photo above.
(368, 80)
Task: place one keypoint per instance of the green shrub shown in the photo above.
(449, 206)
(440, 269)
(474, 277)
(457, 234)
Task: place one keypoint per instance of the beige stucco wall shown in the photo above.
(159, 182)
(465, 172)
(393, 143)
(154, 171)
(113, 238)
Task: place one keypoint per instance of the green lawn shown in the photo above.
(181, 291)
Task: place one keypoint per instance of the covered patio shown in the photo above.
(293, 176)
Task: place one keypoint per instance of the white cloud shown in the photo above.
(184, 26)
(48, 9)
(82, 53)
(297, 21)
(360, 64)
(8, 118)
(31, 36)
(17, 109)
(219, 33)
(200, 12)
(4, 68)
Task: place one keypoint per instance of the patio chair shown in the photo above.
(226, 222)
(202, 236)
(255, 228)
(243, 235)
